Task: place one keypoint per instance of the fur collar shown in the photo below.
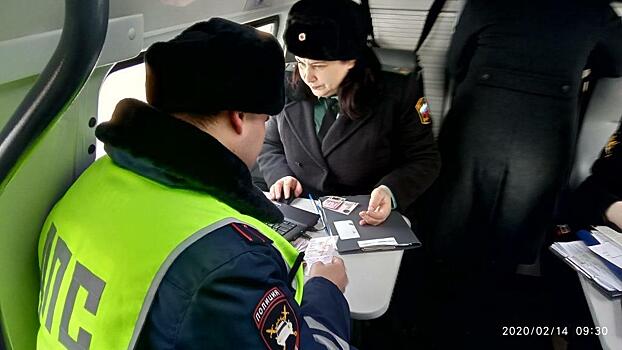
(170, 151)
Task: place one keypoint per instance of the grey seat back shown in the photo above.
(395, 59)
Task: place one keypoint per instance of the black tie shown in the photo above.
(329, 118)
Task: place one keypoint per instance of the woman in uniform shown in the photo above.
(346, 131)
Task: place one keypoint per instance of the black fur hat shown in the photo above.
(326, 30)
(215, 66)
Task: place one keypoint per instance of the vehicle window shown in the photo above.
(268, 24)
(128, 82)
(268, 28)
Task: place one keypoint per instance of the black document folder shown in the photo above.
(394, 226)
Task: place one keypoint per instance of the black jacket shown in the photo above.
(214, 293)
(507, 141)
(389, 146)
(602, 188)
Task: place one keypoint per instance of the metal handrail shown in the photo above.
(81, 42)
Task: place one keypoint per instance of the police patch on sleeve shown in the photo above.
(611, 145)
(276, 321)
(423, 110)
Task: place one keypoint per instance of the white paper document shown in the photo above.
(608, 251)
(390, 242)
(320, 249)
(609, 233)
(346, 229)
(584, 261)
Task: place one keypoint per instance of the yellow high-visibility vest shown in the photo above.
(106, 246)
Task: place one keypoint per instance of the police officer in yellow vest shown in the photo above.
(162, 243)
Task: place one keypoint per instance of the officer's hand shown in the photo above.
(334, 272)
(614, 213)
(284, 187)
(379, 207)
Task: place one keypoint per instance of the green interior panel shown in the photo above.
(11, 94)
(39, 181)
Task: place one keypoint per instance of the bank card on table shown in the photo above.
(346, 229)
(339, 205)
(333, 202)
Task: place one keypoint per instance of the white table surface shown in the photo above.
(605, 313)
(371, 276)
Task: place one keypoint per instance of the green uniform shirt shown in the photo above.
(319, 109)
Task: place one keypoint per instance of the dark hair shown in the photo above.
(357, 92)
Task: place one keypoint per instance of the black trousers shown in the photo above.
(437, 307)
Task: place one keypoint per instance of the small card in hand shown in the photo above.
(339, 204)
(346, 207)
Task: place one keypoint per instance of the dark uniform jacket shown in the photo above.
(602, 188)
(210, 294)
(389, 146)
(508, 139)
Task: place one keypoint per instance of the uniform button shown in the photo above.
(299, 164)
(485, 76)
(565, 88)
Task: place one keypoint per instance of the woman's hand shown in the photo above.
(614, 213)
(284, 187)
(379, 207)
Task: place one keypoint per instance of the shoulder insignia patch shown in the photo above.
(423, 110)
(611, 145)
(276, 321)
(249, 233)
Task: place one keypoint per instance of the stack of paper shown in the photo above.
(609, 234)
(600, 261)
(610, 248)
(320, 249)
